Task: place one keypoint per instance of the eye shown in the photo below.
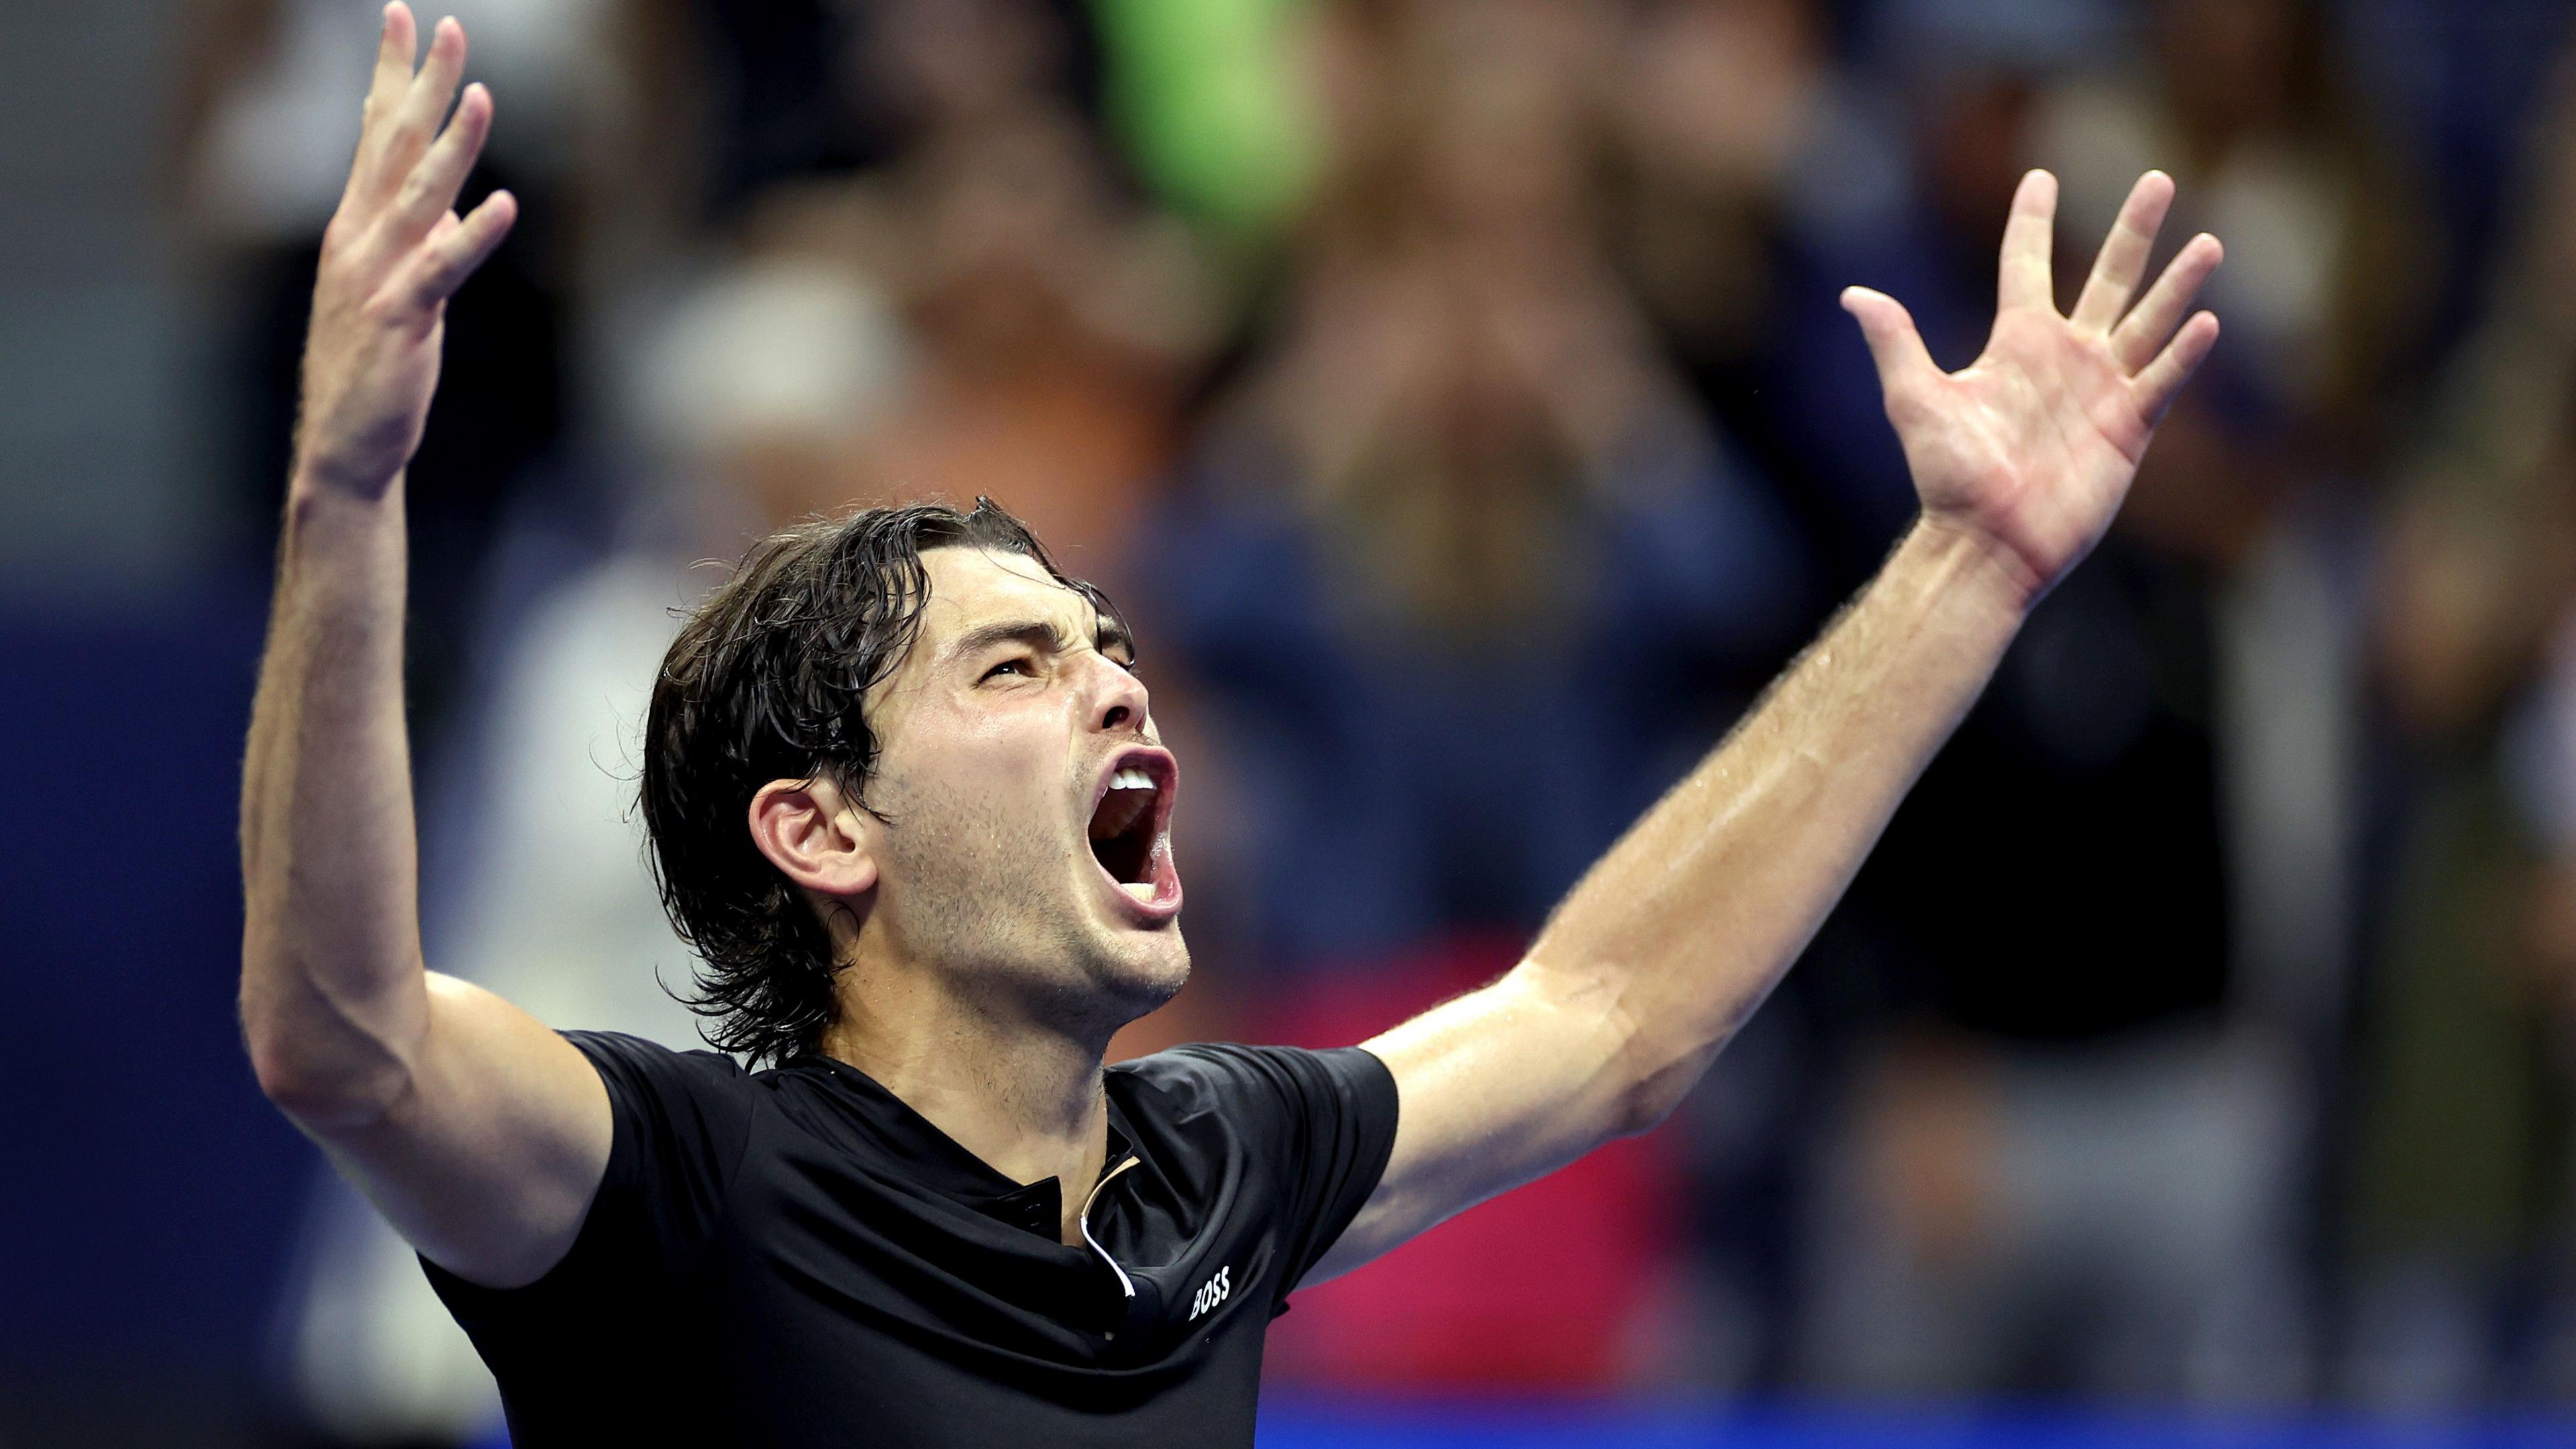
(1018, 666)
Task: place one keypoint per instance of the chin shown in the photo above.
(1145, 969)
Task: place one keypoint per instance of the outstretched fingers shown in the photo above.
(2153, 320)
(2024, 282)
(455, 247)
(404, 130)
(2154, 387)
(2123, 259)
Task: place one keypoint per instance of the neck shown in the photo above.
(1025, 1099)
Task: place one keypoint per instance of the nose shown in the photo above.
(1119, 701)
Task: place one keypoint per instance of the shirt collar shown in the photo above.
(939, 1162)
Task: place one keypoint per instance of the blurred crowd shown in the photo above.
(1454, 393)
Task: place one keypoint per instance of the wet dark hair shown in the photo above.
(765, 682)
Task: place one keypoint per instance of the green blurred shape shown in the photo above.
(1203, 94)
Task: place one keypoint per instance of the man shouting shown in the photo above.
(906, 799)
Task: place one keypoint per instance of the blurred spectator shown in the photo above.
(1059, 329)
(1716, 106)
(739, 97)
(1457, 555)
(2461, 1219)
(2070, 1163)
(1059, 322)
(735, 97)
(2261, 477)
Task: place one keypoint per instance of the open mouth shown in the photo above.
(1127, 826)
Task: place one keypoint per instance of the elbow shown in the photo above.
(322, 1095)
(1656, 1077)
(1640, 1058)
(333, 1080)
(285, 1078)
(1648, 1102)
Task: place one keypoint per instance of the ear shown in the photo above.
(816, 834)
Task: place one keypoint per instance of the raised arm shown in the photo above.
(1676, 935)
(478, 1132)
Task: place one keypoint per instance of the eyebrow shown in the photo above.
(1041, 635)
(1111, 633)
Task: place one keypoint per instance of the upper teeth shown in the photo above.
(1131, 778)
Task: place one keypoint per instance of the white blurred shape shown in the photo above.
(781, 347)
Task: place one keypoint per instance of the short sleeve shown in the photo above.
(1329, 1119)
(682, 1121)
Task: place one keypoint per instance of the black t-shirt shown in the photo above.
(795, 1257)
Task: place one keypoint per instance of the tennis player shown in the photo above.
(905, 798)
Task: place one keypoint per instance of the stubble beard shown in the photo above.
(988, 902)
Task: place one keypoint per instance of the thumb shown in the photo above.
(1894, 345)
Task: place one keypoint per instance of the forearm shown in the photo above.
(1686, 925)
(333, 991)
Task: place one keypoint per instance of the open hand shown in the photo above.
(394, 253)
(2031, 447)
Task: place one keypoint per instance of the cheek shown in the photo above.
(979, 790)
